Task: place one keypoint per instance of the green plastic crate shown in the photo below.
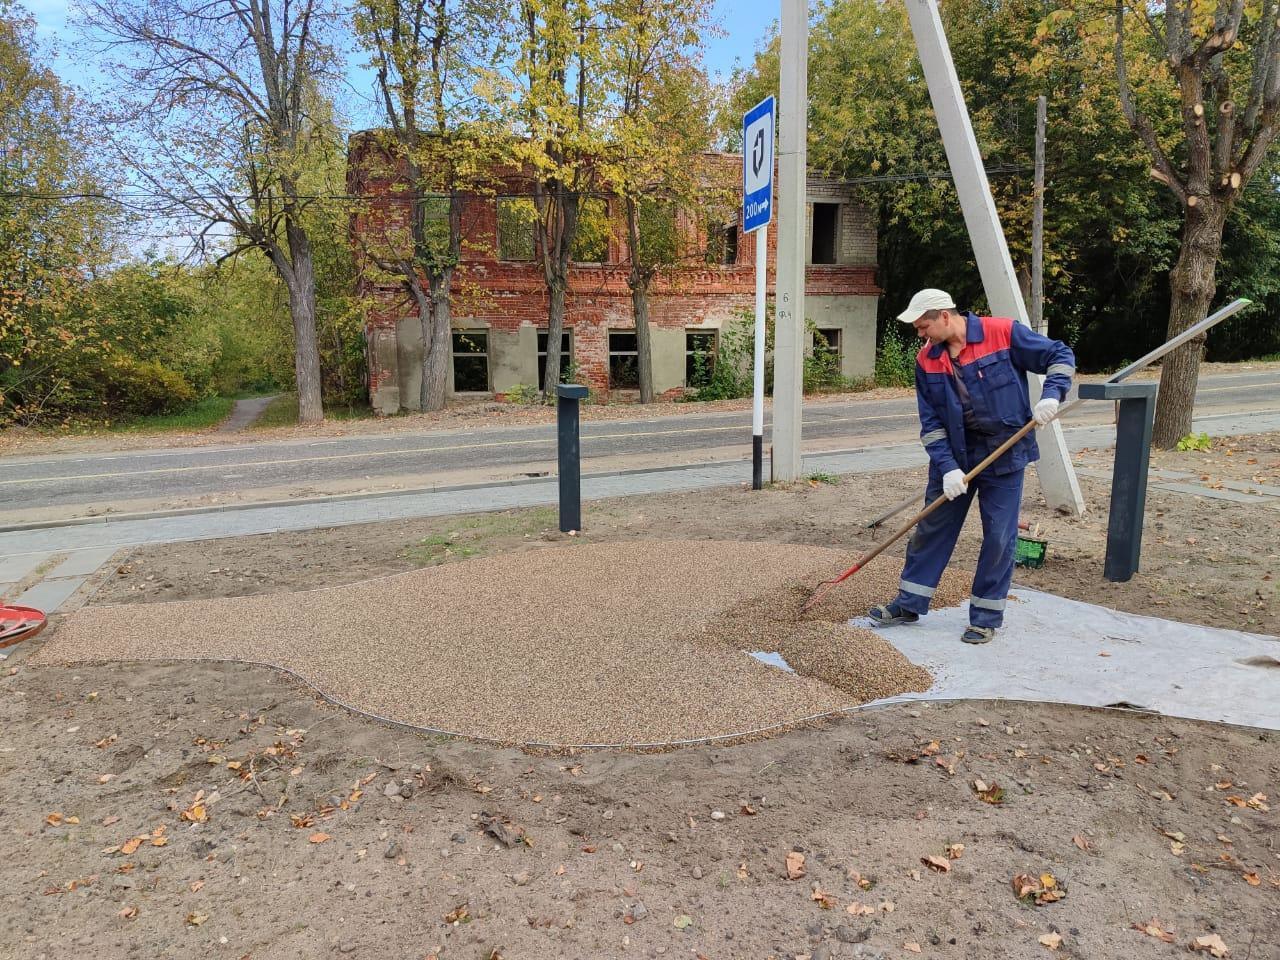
(1030, 552)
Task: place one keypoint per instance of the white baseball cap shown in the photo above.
(924, 301)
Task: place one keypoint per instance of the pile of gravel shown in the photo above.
(579, 643)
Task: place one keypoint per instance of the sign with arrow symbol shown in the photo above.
(757, 165)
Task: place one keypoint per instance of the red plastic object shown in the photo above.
(19, 623)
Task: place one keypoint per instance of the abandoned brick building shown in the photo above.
(499, 304)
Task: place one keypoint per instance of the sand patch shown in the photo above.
(578, 643)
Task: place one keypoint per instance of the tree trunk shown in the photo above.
(1192, 284)
(435, 360)
(556, 289)
(644, 350)
(301, 282)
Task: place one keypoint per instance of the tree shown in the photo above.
(561, 100)
(1199, 84)
(54, 233)
(653, 60)
(221, 104)
(429, 57)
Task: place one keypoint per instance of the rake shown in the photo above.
(826, 585)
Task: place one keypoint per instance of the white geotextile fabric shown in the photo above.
(1050, 649)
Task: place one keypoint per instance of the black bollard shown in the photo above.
(1137, 403)
(568, 445)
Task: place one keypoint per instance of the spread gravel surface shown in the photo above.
(577, 643)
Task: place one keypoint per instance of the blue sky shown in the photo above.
(744, 23)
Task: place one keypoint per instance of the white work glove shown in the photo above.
(953, 484)
(1045, 411)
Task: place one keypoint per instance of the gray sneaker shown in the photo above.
(890, 614)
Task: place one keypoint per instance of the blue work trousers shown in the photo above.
(929, 549)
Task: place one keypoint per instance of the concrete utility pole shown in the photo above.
(1038, 323)
(788, 331)
(1057, 478)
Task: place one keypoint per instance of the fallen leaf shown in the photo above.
(108, 821)
(319, 837)
(53, 819)
(1252, 879)
(128, 913)
(939, 864)
(991, 793)
(954, 851)
(1082, 842)
(1051, 940)
(1212, 943)
(912, 946)
(859, 910)
(682, 921)
(129, 846)
(821, 897)
(195, 919)
(459, 914)
(795, 865)
(195, 887)
(1152, 928)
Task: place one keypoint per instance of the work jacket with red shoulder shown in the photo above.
(997, 356)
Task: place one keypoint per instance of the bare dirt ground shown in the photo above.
(180, 809)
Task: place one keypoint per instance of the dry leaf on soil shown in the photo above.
(1082, 842)
(939, 864)
(318, 837)
(1051, 940)
(1152, 928)
(912, 946)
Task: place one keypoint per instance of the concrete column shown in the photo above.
(1057, 478)
(788, 350)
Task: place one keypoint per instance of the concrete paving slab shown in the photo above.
(14, 568)
(81, 563)
(1063, 651)
(49, 595)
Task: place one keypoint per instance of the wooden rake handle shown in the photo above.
(906, 527)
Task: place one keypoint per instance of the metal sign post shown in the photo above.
(757, 208)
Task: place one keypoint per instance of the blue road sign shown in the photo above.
(757, 165)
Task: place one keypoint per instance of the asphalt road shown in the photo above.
(70, 485)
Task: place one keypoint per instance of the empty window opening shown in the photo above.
(516, 219)
(624, 361)
(699, 357)
(566, 356)
(826, 218)
(470, 361)
(827, 341)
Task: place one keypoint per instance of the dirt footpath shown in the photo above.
(184, 809)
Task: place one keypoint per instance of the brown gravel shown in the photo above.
(578, 643)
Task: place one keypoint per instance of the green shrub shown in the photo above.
(524, 394)
(127, 386)
(896, 359)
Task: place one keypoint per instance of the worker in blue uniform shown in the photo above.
(971, 389)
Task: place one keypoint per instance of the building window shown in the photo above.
(470, 361)
(722, 245)
(827, 341)
(566, 355)
(826, 219)
(591, 244)
(699, 357)
(516, 219)
(624, 361)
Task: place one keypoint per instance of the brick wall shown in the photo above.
(501, 295)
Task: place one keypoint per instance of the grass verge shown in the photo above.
(283, 412)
